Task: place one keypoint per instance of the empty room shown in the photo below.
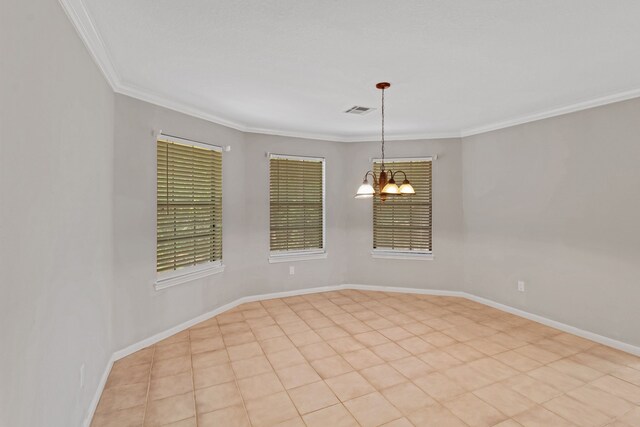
(306, 213)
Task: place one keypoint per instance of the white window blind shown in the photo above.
(189, 195)
(403, 223)
(296, 204)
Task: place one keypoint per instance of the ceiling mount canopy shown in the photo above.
(385, 184)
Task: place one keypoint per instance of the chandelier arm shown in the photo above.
(396, 172)
(373, 175)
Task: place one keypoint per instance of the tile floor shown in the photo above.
(353, 358)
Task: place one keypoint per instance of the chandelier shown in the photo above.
(385, 183)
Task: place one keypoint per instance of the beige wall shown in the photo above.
(56, 170)
(445, 270)
(556, 203)
(140, 310)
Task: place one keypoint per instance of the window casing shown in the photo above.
(402, 225)
(189, 210)
(297, 207)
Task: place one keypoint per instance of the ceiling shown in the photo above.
(291, 67)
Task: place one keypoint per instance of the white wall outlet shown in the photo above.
(292, 270)
(521, 285)
(82, 376)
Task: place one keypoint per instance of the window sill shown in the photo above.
(296, 256)
(187, 276)
(420, 256)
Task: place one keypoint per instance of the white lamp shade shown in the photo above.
(407, 188)
(391, 188)
(365, 191)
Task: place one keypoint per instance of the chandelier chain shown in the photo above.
(383, 129)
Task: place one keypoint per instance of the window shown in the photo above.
(296, 207)
(402, 224)
(189, 216)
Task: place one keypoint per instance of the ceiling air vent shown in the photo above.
(356, 109)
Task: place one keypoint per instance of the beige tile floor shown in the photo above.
(353, 358)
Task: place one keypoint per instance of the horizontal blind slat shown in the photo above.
(405, 222)
(189, 216)
(296, 204)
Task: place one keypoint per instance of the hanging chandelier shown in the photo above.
(385, 184)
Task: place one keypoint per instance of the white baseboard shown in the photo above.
(629, 348)
(293, 293)
(172, 331)
(375, 288)
(96, 397)
(186, 325)
(600, 339)
(189, 323)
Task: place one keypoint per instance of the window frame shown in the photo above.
(404, 254)
(306, 254)
(167, 279)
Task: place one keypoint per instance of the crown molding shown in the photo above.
(81, 20)
(162, 101)
(165, 102)
(79, 16)
(554, 112)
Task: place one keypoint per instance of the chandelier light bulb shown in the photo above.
(365, 191)
(407, 188)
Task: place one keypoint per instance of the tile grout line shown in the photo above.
(526, 373)
(324, 380)
(385, 362)
(485, 355)
(379, 391)
(146, 403)
(540, 338)
(307, 361)
(340, 402)
(244, 405)
(274, 369)
(235, 377)
(193, 381)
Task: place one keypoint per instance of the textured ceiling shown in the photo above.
(293, 66)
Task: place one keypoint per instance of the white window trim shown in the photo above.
(170, 138)
(167, 279)
(298, 255)
(404, 159)
(401, 254)
(288, 256)
(404, 254)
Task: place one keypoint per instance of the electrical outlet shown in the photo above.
(82, 376)
(521, 285)
(292, 270)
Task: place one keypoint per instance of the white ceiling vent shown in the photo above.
(356, 109)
